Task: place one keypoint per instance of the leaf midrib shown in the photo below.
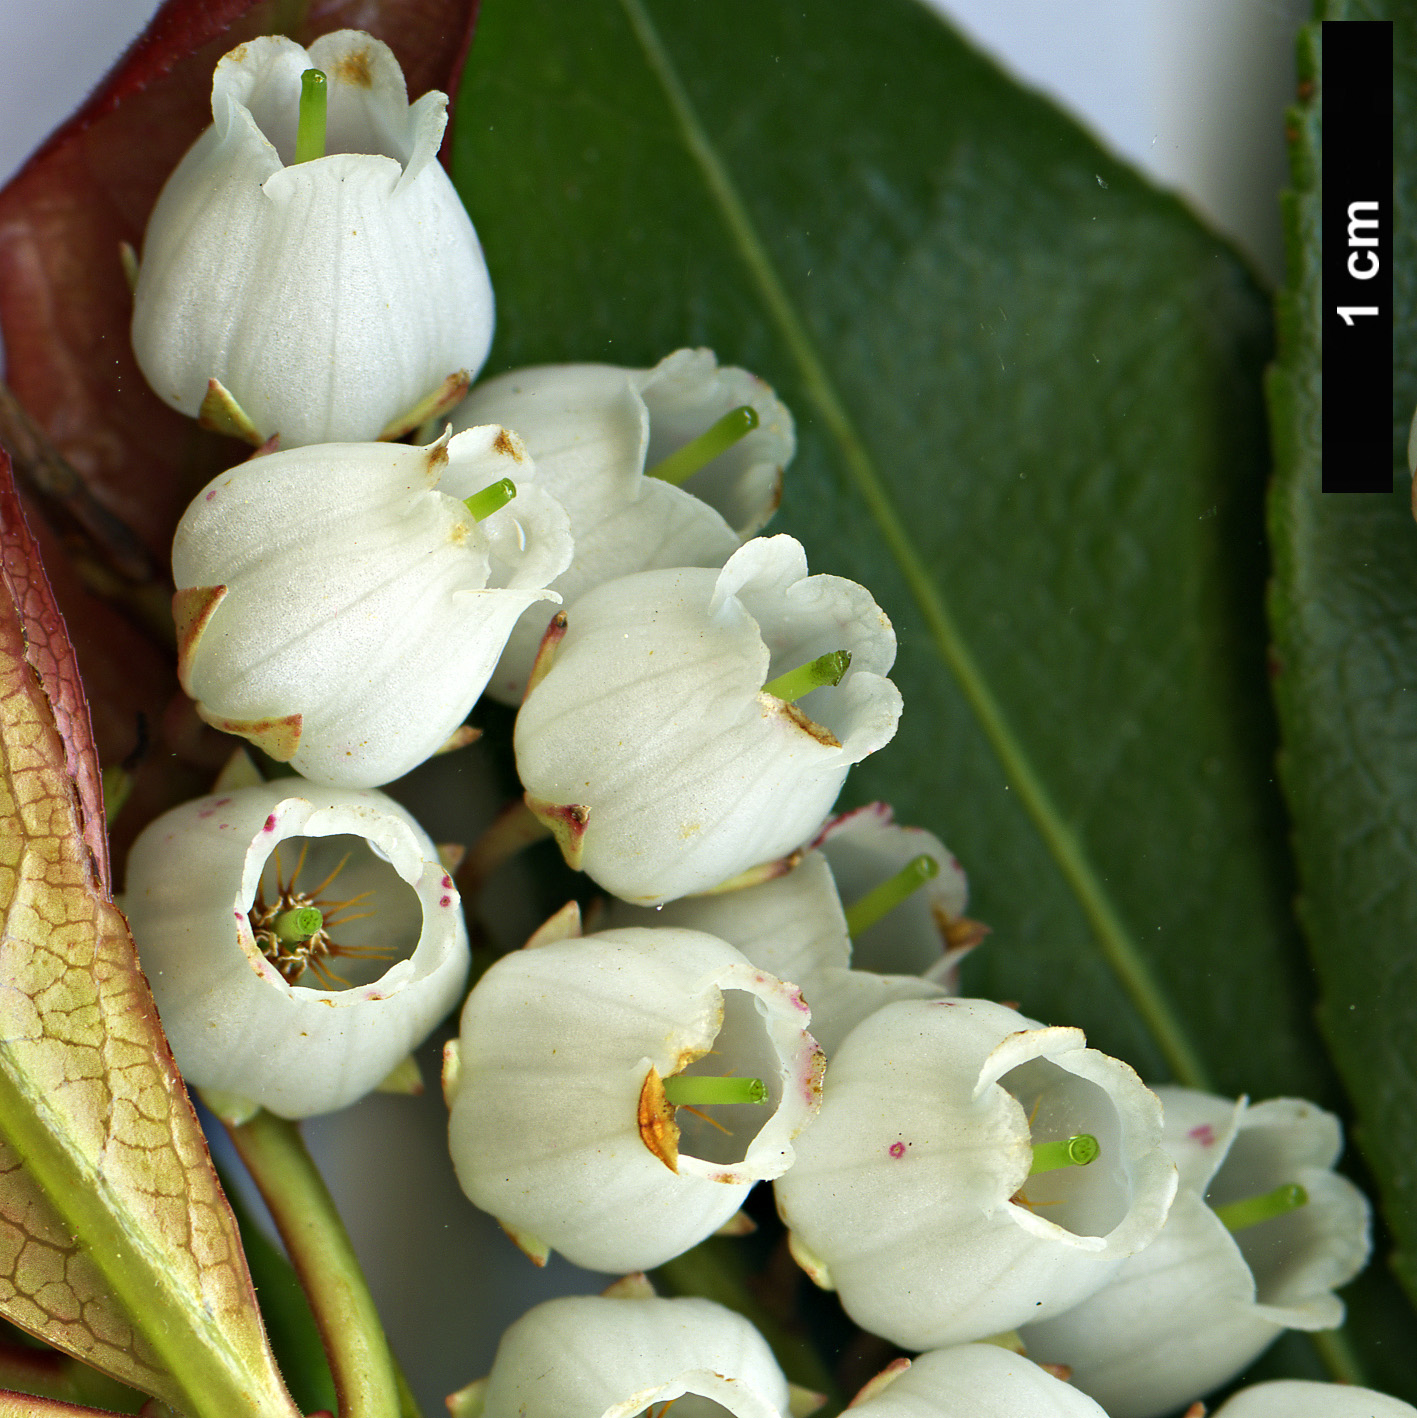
(1116, 943)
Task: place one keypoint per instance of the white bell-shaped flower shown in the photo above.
(335, 299)
(660, 739)
(1302, 1398)
(906, 895)
(1261, 1233)
(300, 941)
(340, 609)
(971, 1381)
(590, 429)
(592, 1356)
(568, 1084)
(933, 1191)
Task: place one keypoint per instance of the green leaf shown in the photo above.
(1030, 416)
(1344, 613)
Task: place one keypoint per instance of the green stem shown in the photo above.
(709, 1091)
(820, 673)
(319, 1248)
(493, 498)
(1076, 1151)
(863, 914)
(718, 438)
(1120, 950)
(310, 130)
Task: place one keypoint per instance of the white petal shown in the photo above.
(1299, 1398)
(234, 1023)
(594, 1357)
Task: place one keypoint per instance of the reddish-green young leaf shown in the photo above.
(65, 308)
(116, 1243)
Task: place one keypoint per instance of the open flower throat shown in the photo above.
(293, 930)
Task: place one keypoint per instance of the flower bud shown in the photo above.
(562, 1123)
(926, 1191)
(590, 1356)
(1301, 1398)
(971, 1381)
(328, 298)
(341, 610)
(1203, 1301)
(590, 428)
(264, 1002)
(657, 743)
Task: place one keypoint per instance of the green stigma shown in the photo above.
(297, 925)
(863, 914)
(492, 498)
(1075, 1151)
(1251, 1210)
(815, 674)
(310, 131)
(708, 1091)
(720, 436)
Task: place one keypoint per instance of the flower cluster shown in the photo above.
(768, 993)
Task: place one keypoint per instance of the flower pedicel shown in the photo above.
(300, 941)
(326, 286)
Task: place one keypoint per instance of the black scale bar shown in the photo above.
(1357, 256)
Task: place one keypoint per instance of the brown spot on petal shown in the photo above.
(193, 609)
(356, 70)
(655, 1117)
(509, 446)
(546, 652)
(279, 737)
(794, 715)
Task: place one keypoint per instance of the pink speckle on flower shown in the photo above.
(447, 882)
(211, 494)
(270, 824)
(445, 900)
(897, 1149)
(1204, 1134)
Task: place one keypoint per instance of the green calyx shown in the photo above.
(863, 914)
(310, 129)
(720, 436)
(825, 670)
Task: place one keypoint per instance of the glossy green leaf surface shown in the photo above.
(1028, 392)
(1344, 610)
